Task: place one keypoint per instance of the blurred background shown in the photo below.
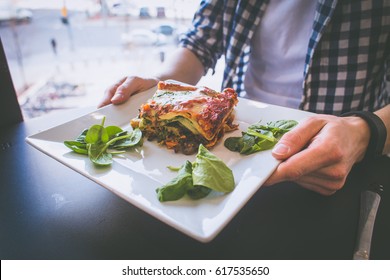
(63, 54)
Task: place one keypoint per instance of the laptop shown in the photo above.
(10, 112)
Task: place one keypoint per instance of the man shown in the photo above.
(330, 57)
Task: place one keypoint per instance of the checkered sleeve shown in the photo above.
(204, 38)
(348, 67)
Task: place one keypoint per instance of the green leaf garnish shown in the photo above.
(198, 179)
(101, 143)
(259, 137)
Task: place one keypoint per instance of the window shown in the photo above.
(64, 54)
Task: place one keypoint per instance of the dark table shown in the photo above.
(48, 211)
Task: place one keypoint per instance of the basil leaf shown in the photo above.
(178, 186)
(211, 172)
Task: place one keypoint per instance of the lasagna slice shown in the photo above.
(183, 117)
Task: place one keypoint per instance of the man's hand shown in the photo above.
(319, 153)
(124, 88)
(183, 65)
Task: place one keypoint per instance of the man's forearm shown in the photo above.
(183, 66)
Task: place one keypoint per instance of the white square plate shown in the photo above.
(135, 176)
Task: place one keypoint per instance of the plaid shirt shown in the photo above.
(347, 60)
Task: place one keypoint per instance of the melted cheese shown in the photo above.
(181, 99)
(176, 97)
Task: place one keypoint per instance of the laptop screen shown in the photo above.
(10, 112)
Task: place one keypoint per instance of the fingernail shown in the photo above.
(117, 97)
(281, 149)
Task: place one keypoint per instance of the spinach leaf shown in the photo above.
(133, 139)
(114, 131)
(101, 143)
(211, 172)
(77, 146)
(173, 168)
(283, 125)
(98, 154)
(198, 179)
(234, 143)
(248, 143)
(259, 137)
(198, 192)
(274, 129)
(261, 133)
(95, 134)
(81, 137)
(178, 186)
